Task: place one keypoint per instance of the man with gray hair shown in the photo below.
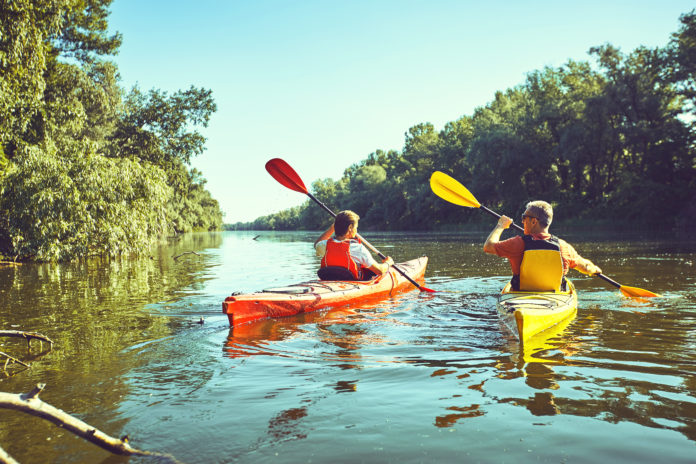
(536, 221)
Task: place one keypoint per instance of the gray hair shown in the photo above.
(542, 211)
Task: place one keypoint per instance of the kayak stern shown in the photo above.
(526, 314)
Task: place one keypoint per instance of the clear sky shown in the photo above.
(322, 84)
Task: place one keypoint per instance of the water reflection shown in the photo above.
(426, 378)
(16, 355)
(531, 361)
(92, 309)
(286, 425)
(580, 359)
(448, 420)
(254, 338)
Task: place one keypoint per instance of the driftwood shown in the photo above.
(184, 253)
(31, 404)
(6, 458)
(9, 359)
(28, 336)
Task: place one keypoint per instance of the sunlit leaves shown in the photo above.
(84, 171)
(59, 207)
(157, 127)
(84, 32)
(24, 25)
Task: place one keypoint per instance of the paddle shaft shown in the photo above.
(611, 281)
(366, 243)
(493, 213)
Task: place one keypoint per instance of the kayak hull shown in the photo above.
(529, 313)
(314, 295)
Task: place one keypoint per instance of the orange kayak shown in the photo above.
(319, 294)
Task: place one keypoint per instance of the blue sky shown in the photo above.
(322, 84)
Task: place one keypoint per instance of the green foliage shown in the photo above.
(23, 55)
(191, 207)
(682, 59)
(611, 140)
(155, 126)
(84, 168)
(84, 31)
(59, 207)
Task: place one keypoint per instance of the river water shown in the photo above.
(418, 378)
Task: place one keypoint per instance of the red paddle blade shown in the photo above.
(286, 175)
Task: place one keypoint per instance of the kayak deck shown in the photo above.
(318, 294)
(528, 313)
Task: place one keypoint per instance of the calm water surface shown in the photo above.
(419, 378)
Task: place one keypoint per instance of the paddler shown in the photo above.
(531, 256)
(342, 255)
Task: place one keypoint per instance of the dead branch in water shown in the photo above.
(30, 403)
(29, 336)
(9, 359)
(184, 253)
(6, 458)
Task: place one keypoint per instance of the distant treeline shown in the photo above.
(607, 142)
(87, 168)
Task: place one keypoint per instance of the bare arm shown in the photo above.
(325, 236)
(494, 237)
(587, 267)
(381, 268)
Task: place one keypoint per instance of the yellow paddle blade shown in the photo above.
(451, 190)
(636, 292)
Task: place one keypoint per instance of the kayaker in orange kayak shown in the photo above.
(534, 257)
(342, 255)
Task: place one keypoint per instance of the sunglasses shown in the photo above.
(527, 216)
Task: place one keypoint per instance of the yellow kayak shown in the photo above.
(528, 313)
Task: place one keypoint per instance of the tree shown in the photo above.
(607, 140)
(84, 32)
(156, 126)
(682, 56)
(62, 113)
(655, 141)
(23, 56)
(81, 204)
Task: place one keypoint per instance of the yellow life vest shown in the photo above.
(541, 269)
